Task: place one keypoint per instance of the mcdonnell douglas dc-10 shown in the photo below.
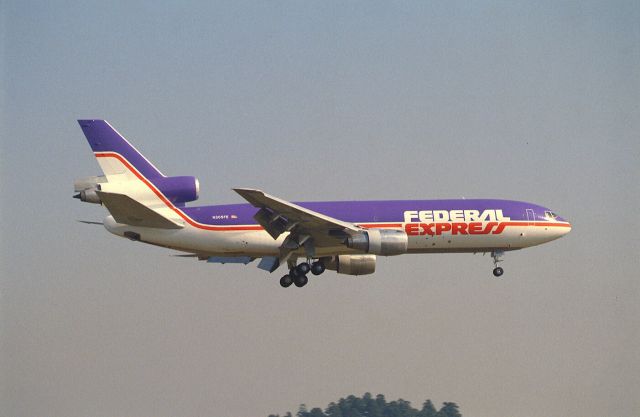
(344, 236)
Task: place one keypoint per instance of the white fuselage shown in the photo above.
(258, 243)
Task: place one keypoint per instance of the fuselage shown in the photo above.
(461, 225)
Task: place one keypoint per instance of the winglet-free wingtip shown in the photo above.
(246, 192)
(90, 222)
(240, 190)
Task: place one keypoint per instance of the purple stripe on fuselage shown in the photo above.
(367, 211)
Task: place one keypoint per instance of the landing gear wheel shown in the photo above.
(317, 268)
(497, 257)
(301, 281)
(286, 281)
(303, 268)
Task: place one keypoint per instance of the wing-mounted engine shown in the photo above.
(351, 264)
(379, 242)
(178, 190)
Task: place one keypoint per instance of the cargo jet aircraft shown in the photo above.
(344, 236)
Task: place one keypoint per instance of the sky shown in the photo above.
(533, 101)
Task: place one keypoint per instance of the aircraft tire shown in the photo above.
(286, 281)
(303, 268)
(301, 281)
(317, 268)
(497, 271)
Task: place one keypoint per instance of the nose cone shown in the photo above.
(555, 225)
(563, 230)
(560, 227)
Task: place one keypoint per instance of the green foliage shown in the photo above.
(428, 410)
(367, 406)
(449, 410)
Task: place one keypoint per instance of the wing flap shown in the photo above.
(307, 229)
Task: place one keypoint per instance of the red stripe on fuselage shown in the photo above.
(380, 225)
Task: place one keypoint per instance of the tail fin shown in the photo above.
(134, 191)
(113, 151)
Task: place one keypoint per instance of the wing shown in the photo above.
(307, 228)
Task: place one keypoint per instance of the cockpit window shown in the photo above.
(550, 215)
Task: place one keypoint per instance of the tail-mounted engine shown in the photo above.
(87, 187)
(178, 189)
(379, 242)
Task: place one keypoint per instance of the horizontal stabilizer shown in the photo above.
(126, 210)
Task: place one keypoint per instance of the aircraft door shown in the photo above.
(531, 217)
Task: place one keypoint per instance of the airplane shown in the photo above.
(344, 236)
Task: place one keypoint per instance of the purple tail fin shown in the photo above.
(103, 139)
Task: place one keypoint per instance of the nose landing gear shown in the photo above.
(497, 257)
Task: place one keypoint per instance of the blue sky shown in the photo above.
(311, 101)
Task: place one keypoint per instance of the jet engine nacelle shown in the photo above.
(89, 196)
(352, 264)
(380, 242)
(178, 189)
(87, 187)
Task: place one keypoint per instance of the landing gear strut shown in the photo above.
(497, 257)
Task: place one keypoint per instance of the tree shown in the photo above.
(315, 412)
(449, 410)
(333, 410)
(367, 406)
(302, 411)
(400, 408)
(371, 407)
(428, 410)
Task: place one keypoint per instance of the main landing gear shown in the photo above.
(298, 274)
(497, 257)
